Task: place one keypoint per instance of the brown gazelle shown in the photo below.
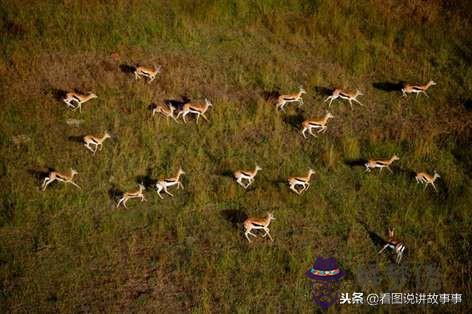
(164, 184)
(197, 108)
(282, 100)
(304, 182)
(165, 110)
(309, 125)
(134, 194)
(78, 99)
(258, 223)
(61, 177)
(95, 140)
(247, 175)
(376, 163)
(395, 245)
(423, 177)
(147, 72)
(411, 88)
(346, 95)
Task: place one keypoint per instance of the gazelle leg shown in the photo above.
(165, 190)
(204, 117)
(383, 249)
(158, 190)
(268, 233)
(388, 167)
(358, 102)
(184, 115)
(120, 201)
(350, 102)
(303, 132)
(312, 133)
(75, 184)
(424, 92)
(434, 186)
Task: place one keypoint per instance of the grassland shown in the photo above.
(69, 250)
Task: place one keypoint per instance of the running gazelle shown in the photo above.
(423, 177)
(376, 163)
(166, 110)
(78, 99)
(197, 108)
(394, 244)
(166, 183)
(258, 223)
(61, 177)
(133, 194)
(411, 88)
(304, 182)
(309, 125)
(147, 72)
(346, 95)
(247, 175)
(95, 140)
(282, 100)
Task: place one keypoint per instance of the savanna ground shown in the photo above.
(70, 250)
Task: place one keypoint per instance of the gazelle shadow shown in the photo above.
(295, 120)
(234, 216)
(271, 97)
(226, 173)
(176, 103)
(324, 91)
(40, 173)
(57, 94)
(389, 86)
(147, 179)
(355, 162)
(114, 193)
(127, 68)
(76, 138)
(376, 239)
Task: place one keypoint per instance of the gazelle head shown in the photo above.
(431, 83)
(158, 68)
(141, 187)
(359, 93)
(258, 168)
(395, 157)
(436, 175)
(329, 115)
(391, 235)
(73, 172)
(302, 91)
(270, 216)
(106, 135)
(208, 103)
(181, 171)
(92, 95)
(311, 171)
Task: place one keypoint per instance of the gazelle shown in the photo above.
(247, 175)
(197, 108)
(165, 110)
(134, 194)
(258, 223)
(94, 140)
(61, 177)
(285, 99)
(423, 177)
(78, 98)
(164, 184)
(410, 88)
(147, 72)
(304, 182)
(395, 245)
(346, 95)
(309, 125)
(375, 163)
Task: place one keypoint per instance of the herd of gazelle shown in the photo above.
(296, 184)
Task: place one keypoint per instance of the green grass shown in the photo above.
(71, 250)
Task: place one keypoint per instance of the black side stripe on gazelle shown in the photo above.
(256, 224)
(245, 173)
(314, 123)
(75, 97)
(344, 94)
(288, 98)
(169, 180)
